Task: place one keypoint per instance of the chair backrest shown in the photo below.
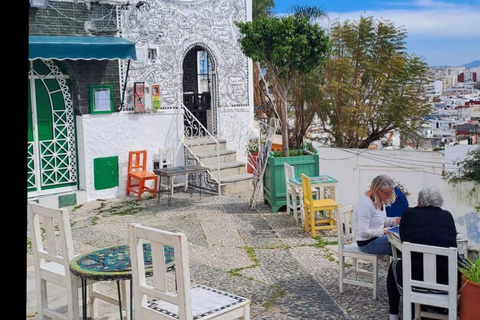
(166, 157)
(158, 289)
(396, 208)
(429, 282)
(51, 236)
(345, 226)
(289, 172)
(137, 160)
(307, 190)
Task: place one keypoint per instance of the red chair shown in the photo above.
(138, 174)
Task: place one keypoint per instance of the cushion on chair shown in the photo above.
(205, 301)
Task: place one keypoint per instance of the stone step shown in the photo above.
(228, 168)
(237, 184)
(210, 157)
(204, 144)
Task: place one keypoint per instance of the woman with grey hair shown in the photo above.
(427, 224)
(370, 218)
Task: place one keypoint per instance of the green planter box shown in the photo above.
(274, 189)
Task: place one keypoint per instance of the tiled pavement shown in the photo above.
(289, 276)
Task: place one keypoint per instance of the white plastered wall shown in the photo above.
(354, 169)
(108, 135)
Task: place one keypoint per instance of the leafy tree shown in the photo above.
(371, 86)
(468, 168)
(261, 8)
(287, 47)
(477, 85)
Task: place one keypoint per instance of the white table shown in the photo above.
(394, 239)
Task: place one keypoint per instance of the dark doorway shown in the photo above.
(197, 84)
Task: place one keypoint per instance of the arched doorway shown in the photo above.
(198, 84)
(51, 145)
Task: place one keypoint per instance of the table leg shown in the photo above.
(119, 299)
(84, 298)
(170, 185)
(159, 188)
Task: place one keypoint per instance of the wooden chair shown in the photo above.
(185, 302)
(429, 292)
(138, 175)
(347, 248)
(295, 194)
(52, 248)
(311, 206)
(167, 160)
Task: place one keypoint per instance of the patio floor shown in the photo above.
(257, 254)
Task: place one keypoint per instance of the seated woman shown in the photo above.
(400, 203)
(441, 233)
(370, 217)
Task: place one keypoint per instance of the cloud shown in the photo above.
(437, 22)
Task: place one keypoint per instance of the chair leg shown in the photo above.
(92, 301)
(73, 300)
(128, 186)
(246, 312)
(375, 279)
(341, 264)
(42, 300)
(141, 189)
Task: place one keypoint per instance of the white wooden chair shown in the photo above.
(347, 248)
(421, 292)
(167, 160)
(156, 301)
(52, 248)
(294, 194)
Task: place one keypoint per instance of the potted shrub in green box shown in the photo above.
(274, 187)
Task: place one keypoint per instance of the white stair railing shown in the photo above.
(194, 129)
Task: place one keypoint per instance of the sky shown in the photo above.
(443, 33)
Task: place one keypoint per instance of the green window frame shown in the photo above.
(101, 99)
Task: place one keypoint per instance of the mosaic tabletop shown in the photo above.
(113, 263)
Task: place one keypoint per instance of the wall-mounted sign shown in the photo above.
(101, 99)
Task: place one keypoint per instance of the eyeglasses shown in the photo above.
(387, 194)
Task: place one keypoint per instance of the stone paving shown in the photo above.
(264, 256)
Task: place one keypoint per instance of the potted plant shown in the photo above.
(274, 185)
(252, 153)
(470, 290)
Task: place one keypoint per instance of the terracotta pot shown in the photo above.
(469, 300)
(252, 158)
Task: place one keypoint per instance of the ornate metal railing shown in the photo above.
(239, 134)
(193, 129)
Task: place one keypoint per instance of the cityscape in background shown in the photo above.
(453, 93)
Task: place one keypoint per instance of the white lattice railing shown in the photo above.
(239, 134)
(193, 129)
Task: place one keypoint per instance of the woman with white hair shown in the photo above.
(370, 218)
(427, 224)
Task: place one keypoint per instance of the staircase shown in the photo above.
(233, 174)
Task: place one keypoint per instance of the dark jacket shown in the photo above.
(430, 226)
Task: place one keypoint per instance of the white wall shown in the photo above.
(115, 134)
(354, 169)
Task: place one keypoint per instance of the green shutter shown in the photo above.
(105, 171)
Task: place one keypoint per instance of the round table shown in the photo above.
(113, 263)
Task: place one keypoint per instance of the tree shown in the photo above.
(372, 87)
(287, 47)
(261, 8)
(477, 85)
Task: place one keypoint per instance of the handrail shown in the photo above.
(194, 130)
(239, 134)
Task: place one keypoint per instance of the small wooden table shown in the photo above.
(176, 171)
(113, 264)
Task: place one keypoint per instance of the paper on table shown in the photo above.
(393, 229)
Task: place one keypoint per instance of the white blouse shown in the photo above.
(368, 221)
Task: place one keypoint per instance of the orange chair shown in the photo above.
(137, 170)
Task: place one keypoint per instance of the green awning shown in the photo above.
(80, 48)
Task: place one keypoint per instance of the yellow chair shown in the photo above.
(311, 206)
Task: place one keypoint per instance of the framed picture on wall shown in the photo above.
(101, 99)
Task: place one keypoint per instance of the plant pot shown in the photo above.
(252, 158)
(274, 188)
(469, 300)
